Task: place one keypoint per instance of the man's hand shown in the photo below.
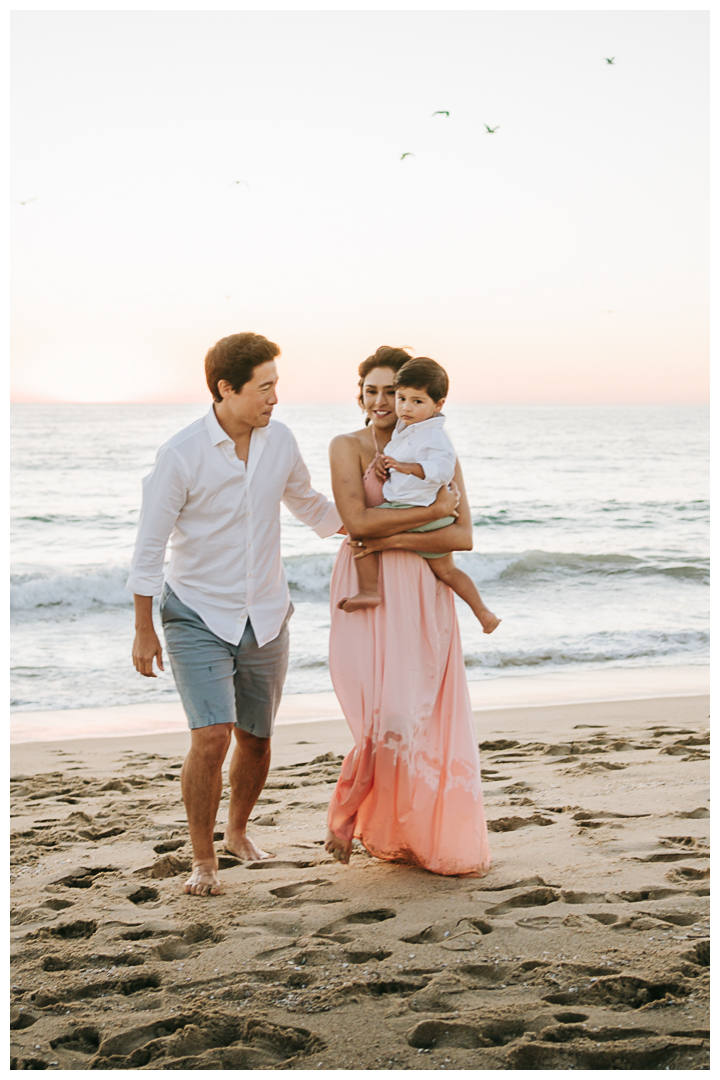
(146, 648)
(448, 500)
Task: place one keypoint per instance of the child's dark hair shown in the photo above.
(422, 373)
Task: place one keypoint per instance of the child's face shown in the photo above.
(412, 405)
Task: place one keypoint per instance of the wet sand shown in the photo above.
(585, 947)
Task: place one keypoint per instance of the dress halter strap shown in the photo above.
(372, 431)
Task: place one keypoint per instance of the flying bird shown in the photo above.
(441, 112)
(609, 59)
(233, 182)
(491, 131)
(24, 202)
(408, 154)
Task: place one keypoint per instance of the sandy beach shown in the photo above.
(585, 947)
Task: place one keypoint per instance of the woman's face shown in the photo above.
(379, 397)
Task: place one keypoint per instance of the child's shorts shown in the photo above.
(441, 523)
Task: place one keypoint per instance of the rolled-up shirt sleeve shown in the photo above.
(440, 468)
(165, 491)
(309, 505)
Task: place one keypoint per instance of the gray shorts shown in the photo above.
(221, 683)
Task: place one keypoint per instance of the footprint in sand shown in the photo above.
(197, 1041)
(82, 991)
(532, 898)
(83, 1040)
(456, 935)
(338, 930)
(510, 824)
(443, 1034)
(624, 990)
(297, 888)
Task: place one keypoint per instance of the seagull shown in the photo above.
(491, 131)
(609, 59)
(24, 202)
(441, 112)
(408, 154)
(233, 182)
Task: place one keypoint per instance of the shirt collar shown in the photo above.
(215, 431)
(258, 437)
(431, 422)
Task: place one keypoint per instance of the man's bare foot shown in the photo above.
(488, 621)
(241, 846)
(360, 601)
(203, 880)
(339, 849)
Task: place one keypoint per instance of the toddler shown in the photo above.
(418, 459)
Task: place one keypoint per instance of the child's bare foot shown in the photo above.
(360, 601)
(339, 849)
(488, 621)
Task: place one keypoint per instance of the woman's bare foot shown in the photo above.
(203, 880)
(360, 601)
(339, 849)
(241, 846)
(488, 621)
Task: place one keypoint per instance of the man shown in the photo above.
(217, 486)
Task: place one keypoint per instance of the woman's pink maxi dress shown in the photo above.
(410, 788)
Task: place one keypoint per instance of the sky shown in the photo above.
(562, 258)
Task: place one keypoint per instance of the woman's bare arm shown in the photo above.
(457, 537)
(349, 494)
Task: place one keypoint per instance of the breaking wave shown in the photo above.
(309, 576)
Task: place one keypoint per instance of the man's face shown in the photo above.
(253, 405)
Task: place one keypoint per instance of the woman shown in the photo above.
(410, 789)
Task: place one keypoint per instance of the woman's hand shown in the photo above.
(448, 500)
(361, 548)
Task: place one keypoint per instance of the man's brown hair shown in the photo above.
(234, 359)
(422, 373)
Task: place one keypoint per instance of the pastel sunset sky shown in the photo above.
(189, 174)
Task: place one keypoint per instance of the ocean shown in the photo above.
(590, 532)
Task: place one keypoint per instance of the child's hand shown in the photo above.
(381, 468)
(406, 467)
(391, 463)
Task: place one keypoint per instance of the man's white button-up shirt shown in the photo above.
(223, 522)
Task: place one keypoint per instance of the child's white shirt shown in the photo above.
(426, 444)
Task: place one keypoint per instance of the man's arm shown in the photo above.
(308, 505)
(146, 646)
(164, 495)
(165, 490)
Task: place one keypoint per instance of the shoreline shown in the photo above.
(503, 692)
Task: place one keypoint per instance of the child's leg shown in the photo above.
(445, 569)
(368, 594)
